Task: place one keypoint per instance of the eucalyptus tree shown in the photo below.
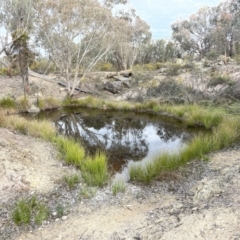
(194, 35)
(227, 24)
(132, 34)
(76, 34)
(15, 16)
(15, 20)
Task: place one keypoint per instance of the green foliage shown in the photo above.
(173, 69)
(41, 213)
(7, 103)
(212, 55)
(42, 66)
(103, 66)
(237, 58)
(219, 79)
(48, 103)
(59, 210)
(72, 152)
(3, 71)
(72, 180)
(118, 186)
(87, 192)
(22, 213)
(223, 136)
(95, 170)
(153, 66)
(26, 210)
(23, 104)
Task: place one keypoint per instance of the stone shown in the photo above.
(113, 87)
(34, 109)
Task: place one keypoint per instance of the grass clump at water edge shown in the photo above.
(94, 170)
(222, 136)
(7, 103)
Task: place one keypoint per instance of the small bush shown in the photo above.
(59, 210)
(71, 150)
(7, 103)
(23, 104)
(27, 210)
(95, 170)
(22, 213)
(87, 192)
(106, 67)
(3, 71)
(173, 69)
(48, 103)
(72, 180)
(212, 55)
(118, 186)
(41, 213)
(219, 79)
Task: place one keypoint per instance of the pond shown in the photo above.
(126, 137)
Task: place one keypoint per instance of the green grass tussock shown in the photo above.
(95, 170)
(227, 132)
(27, 210)
(118, 186)
(72, 152)
(7, 103)
(72, 180)
(48, 103)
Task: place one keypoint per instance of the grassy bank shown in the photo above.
(225, 129)
(94, 169)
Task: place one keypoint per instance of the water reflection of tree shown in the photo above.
(122, 137)
(166, 132)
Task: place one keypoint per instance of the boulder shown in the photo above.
(33, 109)
(113, 87)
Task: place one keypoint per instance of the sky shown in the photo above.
(160, 14)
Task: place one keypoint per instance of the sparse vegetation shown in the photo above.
(7, 103)
(48, 103)
(86, 192)
(118, 186)
(23, 104)
(219, 79)
(59, 210)
(72, 180)
(29, 210)
(173, 69)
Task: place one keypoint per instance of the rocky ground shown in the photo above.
(200, 201)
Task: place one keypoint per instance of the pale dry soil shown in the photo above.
(200, 201)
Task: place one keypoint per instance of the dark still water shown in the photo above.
(123, 136)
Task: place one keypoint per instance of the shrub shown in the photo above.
(106, 67)
(212, 55)
(26, 210)
(118, 186)
(48, 103)
(23, 104)
(7, 103)
(173, 69)
(72, 180)
(219, 79)
(95, 170)
(71, 150)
